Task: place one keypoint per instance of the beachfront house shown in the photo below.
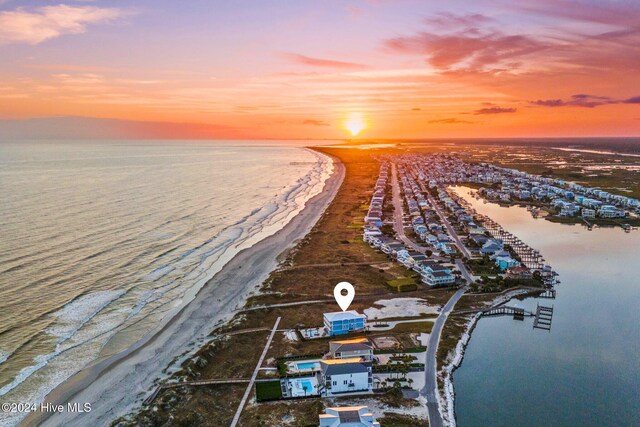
(348, 416)
(344, 322)
(348, 349)
(345, 376)
(608, 211)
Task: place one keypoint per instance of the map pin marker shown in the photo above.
(344, 301)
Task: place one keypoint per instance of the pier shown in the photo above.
(529, 257)
(548, 294)
(544, 316)
(502, 310)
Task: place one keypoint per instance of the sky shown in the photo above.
(315, 69)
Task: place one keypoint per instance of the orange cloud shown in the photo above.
(449, 121)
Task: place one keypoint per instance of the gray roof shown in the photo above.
(344, 368)
(349, 416)
(336, 346)
(440, 274)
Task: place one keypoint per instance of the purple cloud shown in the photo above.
(584, 100)
(495, 110)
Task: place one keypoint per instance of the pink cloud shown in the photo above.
(609, 13)
(467, 48)
(37, 25)
(319, 62)
(448, 20)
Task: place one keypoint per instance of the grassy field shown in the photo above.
(413, 327)
(397, 420)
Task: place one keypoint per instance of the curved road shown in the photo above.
(430, 390)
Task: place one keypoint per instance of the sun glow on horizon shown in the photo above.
(355, 123)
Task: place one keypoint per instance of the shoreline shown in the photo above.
(448, 394)
(134, 371)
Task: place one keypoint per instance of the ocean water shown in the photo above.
(586, 370)
(99, 241)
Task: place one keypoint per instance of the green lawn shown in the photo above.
(403, 284)
(269, 390)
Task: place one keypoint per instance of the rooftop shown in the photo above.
(343, 315)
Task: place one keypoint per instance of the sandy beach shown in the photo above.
(117, 385)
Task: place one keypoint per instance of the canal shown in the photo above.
(586, 370)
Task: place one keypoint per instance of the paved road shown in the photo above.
(447, 224)
(398, 223)
(465, 272)
(234, 422)
(430, 390)
(445, 221)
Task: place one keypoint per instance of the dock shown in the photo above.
(507, 310)
(548, 294)
(544, 316)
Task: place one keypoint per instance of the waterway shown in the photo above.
(586, 370)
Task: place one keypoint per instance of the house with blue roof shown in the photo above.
(344, 322)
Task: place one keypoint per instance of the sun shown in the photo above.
(355, 124)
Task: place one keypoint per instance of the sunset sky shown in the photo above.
(301, 69)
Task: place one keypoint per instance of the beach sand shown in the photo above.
(118, 384)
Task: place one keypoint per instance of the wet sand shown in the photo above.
(118, 384)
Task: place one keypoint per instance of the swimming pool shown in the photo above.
(308, 366)
(303, 387)
(306, 385)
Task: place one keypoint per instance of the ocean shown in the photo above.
(102, 240)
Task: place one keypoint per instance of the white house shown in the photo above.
(348, 416)
(438, 278)
(345, 376)
(434, 274)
